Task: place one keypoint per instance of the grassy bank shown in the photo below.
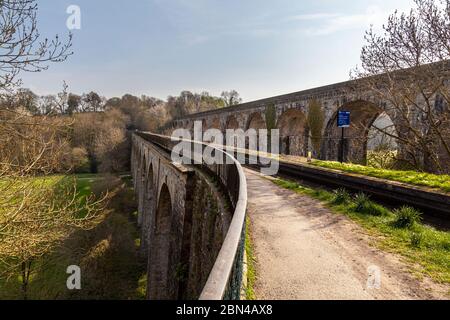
(107, 255)
(426, 250)
(439, 182)
(251, 268)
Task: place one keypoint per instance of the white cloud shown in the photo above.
(332, 23)
(309, 24)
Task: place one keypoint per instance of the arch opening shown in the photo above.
(293, 133)
(382, 147)
(160, 282)
(256, 122)
(215, 124)
(141, 185)
(232, 123)
(363, 115)
(148, 212)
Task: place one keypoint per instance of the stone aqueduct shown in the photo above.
(192, 220)
(192, 217)
(289, 114)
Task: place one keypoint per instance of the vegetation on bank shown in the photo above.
(107, 254)
(251, 262)
(383, 158)
(440, 182)
(399, 231)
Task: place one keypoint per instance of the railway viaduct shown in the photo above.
(192, 220)
(290, 113)
(192, 216)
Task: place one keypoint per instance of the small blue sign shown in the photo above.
(343, 119)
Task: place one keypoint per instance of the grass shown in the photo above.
(425, 249)
(406, 217)
(82, 182)
(141, 291)
(341, 196)
(440, 182)
(111, 267)
(251, 261)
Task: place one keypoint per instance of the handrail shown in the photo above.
(216, 286)
(224, 281)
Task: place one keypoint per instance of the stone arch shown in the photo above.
(363, 114)
(159, 278)
(215, 124)
(232, 123)
(190, 127)
(256, 121)
(293, 132)
(141, 183)
(377, 138)
(148, 210)
(382, 146)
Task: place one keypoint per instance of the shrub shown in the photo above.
(406, 217)
(416, 239)
(361, 202)
(80, 160)
(341, 196)
(315, 120)
(364, 205)
(382, 159)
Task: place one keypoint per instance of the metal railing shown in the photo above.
(225, 279)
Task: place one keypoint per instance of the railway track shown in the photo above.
(429, 201)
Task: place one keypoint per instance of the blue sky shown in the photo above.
(260, 48)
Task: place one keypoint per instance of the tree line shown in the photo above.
(98, 129)
(66, 103)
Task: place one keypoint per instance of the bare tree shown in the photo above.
(407, 68)
(21, 47)
(231, 98)
(73, 103)
(35, 217)
(26, 99)
(91, 102)
(36, 212)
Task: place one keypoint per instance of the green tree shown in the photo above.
(316, 118)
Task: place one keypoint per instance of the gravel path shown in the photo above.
(304, 251)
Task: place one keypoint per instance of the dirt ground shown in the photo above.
(304, 251)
